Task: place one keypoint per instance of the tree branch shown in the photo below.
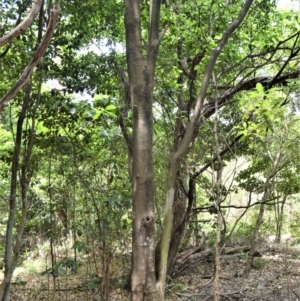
(271, 52)
(223, 152)
(182, 149)
(205, 83)
(19, 29)
(249, 85)
(266, 202)
(36, 58)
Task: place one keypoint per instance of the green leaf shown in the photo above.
(110, 107)
(293, 80)
(259, 87)
(97, 114)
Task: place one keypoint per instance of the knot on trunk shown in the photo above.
(148, 222)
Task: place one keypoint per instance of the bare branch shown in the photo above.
(293, 54)
(249, 85)
(19, 29)
(271, 52)
(265, 202)
(36, 58)
(213, 160)
(205, 83)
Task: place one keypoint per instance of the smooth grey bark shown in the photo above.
(141, 83)
(20, 28)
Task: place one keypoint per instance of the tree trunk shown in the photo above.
(10, 263)
(183, 147)
(279, 222)
(12, 251)
(141, 82)
(254, 238)
(217, 202)
(179, 227)
(181, 218)
(268, 187)
(178, 230)
(217, 255)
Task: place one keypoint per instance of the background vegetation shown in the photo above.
(66, 136)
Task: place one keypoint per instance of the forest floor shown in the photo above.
(276, 276)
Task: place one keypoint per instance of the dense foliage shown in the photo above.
(68, 132)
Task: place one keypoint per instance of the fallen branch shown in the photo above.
(194, 254)
(181, 257)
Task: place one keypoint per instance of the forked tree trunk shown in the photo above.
(141, 82)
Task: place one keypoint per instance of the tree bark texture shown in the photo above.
(20, 28)
(141, 82)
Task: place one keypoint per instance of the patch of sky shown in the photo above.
(289, 4)
(98, 47)
(103, 47)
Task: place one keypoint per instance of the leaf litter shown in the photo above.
(275, 276)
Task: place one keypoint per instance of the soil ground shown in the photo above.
(276, 277)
